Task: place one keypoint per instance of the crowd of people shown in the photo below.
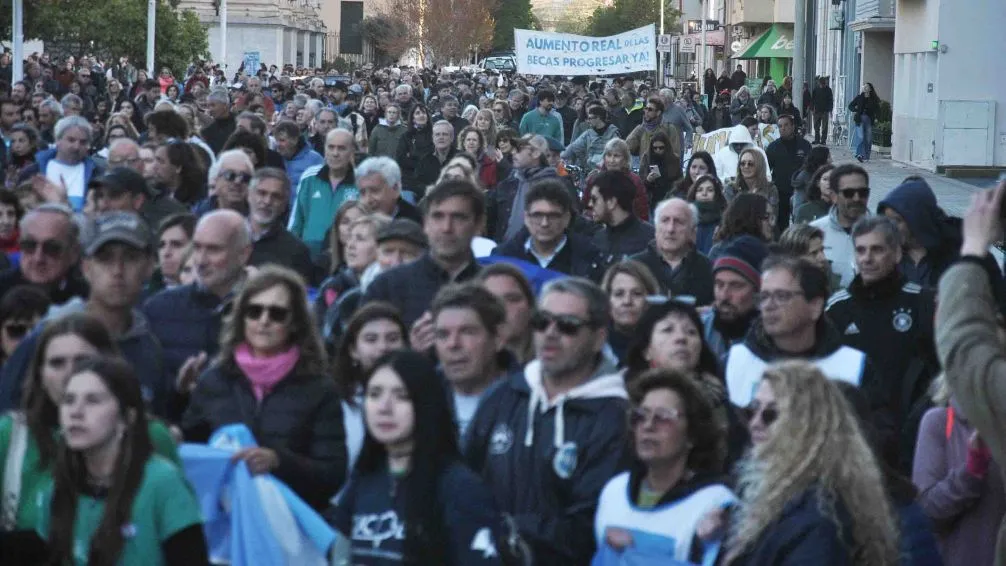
(474, 318)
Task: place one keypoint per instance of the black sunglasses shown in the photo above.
(15, 331)
(232, 176)
(863, 193)
(567, 324)
(51, 248)
(768, 414)
(276, 314)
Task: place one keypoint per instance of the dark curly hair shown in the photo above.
(743, 216)
(706, 432)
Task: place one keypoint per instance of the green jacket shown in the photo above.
(35, 479)
(316, 204)
(384, 139)
(548, 125)
(973, 358)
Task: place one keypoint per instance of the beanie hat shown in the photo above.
(743, 256)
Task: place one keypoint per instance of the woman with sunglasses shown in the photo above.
(812, 490)
(20, 310)
(752, 177)
(678, 447)
(410, 476)
(33, 431)
(660, 168)
(270, 375)
(627, 283)
(113, 500)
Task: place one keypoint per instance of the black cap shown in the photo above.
(122, 180)
(341, 85)
(403, 229)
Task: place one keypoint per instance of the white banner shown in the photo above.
(549, 53)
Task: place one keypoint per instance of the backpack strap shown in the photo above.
(950, 421)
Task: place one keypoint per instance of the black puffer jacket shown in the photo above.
(412, 146)
(301, 419)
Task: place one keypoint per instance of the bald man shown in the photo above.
(157, 203)
(187, 319)
(323, 189)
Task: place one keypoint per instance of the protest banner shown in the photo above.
(550, 53)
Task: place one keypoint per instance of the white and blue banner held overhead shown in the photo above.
(551, 53)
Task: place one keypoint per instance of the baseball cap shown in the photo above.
(537, 141)
(122, 180)
(355, 89)
(403, 229)
(125, 227)
(341, 85)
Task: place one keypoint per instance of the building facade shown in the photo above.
(280, 32)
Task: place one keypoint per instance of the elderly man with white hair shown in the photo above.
(323, 189)
(379, 180)
(218, 103)
(681, 270)
(62, 173)
(228, 181)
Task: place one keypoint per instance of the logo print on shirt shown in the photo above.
(902, 320)
(377, 528)
(851, 329)
(483, 542)
(501, 440)
(564, 461)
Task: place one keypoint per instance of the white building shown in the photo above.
(281, 32)
(949, 93)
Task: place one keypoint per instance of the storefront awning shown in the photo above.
(775, 42)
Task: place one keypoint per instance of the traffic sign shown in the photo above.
(687, 44)
(664, 43)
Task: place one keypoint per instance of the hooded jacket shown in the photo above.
(587, 151)
(547, 461)
(725, 159)
(384, 138)
(305, 158)
(746, 362)
(838, 246)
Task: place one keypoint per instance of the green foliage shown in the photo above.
(882, 134)
(508, 15)
(342, 65)
(376, 29)
(624, 15)
(884, 113)
(113, 28)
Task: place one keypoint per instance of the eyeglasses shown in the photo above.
(862, 192)
(659, 417)
(747, 164)
(234, 176)
(276, 314)
(15, 330)
(538, 217)
(566, 323)
(779, 297)
(768, 414)
(50, 248)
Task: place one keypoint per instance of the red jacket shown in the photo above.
(488, 172)
(640, 204)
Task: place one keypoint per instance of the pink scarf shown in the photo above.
(264, 373)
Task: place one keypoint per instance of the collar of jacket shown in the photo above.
(427, 263)
(884, 289)
(349, 179)
(629, 223)
(826, 342)
(686, 486)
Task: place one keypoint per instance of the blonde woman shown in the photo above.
(485, 124)
(812, 491)
(752, 177)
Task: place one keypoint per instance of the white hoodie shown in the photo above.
(726, 158)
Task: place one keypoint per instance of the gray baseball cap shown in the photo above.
(117, 226)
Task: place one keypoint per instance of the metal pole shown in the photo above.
(17, 70)
(799, 52)
(700, 73)
(223, 36)
(151, 30)
(660, 58)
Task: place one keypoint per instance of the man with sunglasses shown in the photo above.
(653, 123)
(229, 176)
(49, 253)
(793, 326)
(118, 259)
(548, 438)
(851, 185)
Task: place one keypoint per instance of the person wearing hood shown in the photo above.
(547, 241)
(587, 151)
(891, 321)
(679, 446)
(505, 216)
(742, 105)
(793, 326)
(931, 240)
(549, 438)
(298, 155)
(851, 186)
(384, 138)
(727, 157)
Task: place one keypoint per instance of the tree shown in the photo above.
(377, 30)
(625, 15)
(113, 28)
(511, 14)
(443, 31)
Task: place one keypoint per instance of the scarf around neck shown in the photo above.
(264, 373)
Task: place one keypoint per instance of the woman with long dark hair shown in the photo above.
(416, 142)
(114, 501)
(411, 475)
(747, 215)
(373, 331)
(181, 171)
(34, 429)
(659, 168)
(818, 157)
(627, 283)
(271, 376)
(24, 144)
(701, 163)
(706, 194)
(819, 196)
(864, 110)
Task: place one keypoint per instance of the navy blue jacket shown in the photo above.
(371, 513)
(619, 242)
(187, 321)
(802, 536)
(694, 277)
(412, 286)
(550, 481)
(139, 346)
(579, 257)
(918, 543)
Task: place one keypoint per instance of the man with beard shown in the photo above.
(736, 282)
(268, 198)
(851, 186)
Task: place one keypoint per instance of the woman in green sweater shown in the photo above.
(29, 439)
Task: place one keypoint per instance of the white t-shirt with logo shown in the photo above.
(73, 176)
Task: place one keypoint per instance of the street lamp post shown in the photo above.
(699, 73)
(223, 36)
(151, 30)
(799, 52)
(660, 58)
(17, 70)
